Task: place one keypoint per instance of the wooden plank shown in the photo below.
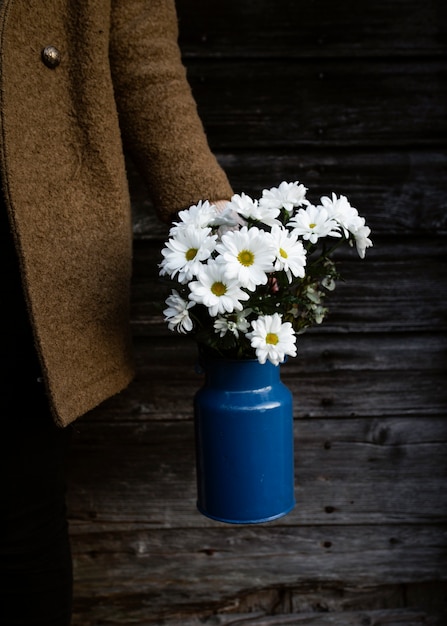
(398, 192)
(347, 98)
(158, 573)
(386, 617)
(327, 103)
(318, 352)
(167, 393)
(401, 285)
(134, 610)
(332, 376)
(348, 471)
(316, 29)
(398, 295)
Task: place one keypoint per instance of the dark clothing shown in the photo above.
(15, 329)
(35, 559)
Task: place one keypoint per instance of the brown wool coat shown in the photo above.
(120, 78)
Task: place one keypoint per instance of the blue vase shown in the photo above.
(244, 442)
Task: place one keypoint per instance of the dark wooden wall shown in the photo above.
(346, 96)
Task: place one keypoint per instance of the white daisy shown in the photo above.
(235, 323)
(216, 291)
(177, 313)
(342, 212)
(185, 253)
(227, 219)
(272, 339)
(268, 216)
(247, 255)
(361, 236)
(290, 253)
(199, 215)
(244, 205)
(314, 222)
(250, 209)
(286, 196)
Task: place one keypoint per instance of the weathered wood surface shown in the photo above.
(363, 376)
(398, 193)
(203, 567)
(141, 547)
(385, 28)
(401, 286)
(305, 604)
(347, 97)
(358, 618)
(400, 471)
(325, 104)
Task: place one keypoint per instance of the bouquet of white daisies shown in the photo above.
(249, 277)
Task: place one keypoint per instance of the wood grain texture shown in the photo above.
(197, 568)
(329, 103)
(397, 477)
(385, 28)
(400, 286)
(400, 194)
(347, 97)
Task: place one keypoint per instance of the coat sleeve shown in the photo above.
(158, 115)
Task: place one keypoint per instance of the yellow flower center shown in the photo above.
(218, 289)
(283, 253)
(272, 339)
(246, 258)
(312, 225)
(191, 254)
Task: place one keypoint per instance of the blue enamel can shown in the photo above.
(244, 442)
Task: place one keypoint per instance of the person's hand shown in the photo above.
(220, 205)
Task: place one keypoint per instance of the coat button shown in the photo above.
(51, 57)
